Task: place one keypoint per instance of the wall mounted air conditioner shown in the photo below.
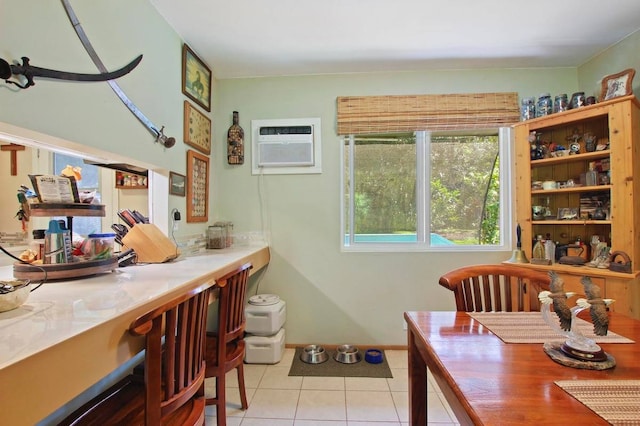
(286, 146)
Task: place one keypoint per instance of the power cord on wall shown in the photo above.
(265, 221)
(175, 217)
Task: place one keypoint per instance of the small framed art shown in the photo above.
(177, 184)
(197, 187)
(196, 78)
(197, 129)
(619, 84)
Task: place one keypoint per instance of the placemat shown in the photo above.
(529, 327)
(333, 368)
(616, 401)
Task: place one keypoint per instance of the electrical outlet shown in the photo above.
(175, 226)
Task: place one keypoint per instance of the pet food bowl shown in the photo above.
(347, 354)
(13, 294)
(314, 354)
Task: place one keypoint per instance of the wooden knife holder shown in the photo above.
(150, 244)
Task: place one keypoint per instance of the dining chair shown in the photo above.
(499, 287)
(225, 348)
(171, 389)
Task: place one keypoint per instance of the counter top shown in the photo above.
(70, 334)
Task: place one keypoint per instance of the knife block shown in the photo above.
(150, 244)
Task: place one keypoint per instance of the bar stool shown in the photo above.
(225, 347)
(171, 389)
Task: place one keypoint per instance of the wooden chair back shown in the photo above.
(499, 287)
(175, 352)
(226, 347)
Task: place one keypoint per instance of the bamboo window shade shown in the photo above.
(404, 113)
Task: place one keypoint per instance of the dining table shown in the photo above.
(489, 381)
(72, 334)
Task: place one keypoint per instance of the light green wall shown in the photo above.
(623, 55)
(90, 114)
(334, 297)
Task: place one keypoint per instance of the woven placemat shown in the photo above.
(529, 327)
(616, 401)
(333, 368)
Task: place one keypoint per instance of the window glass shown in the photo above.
(424, 191)
(90, 181)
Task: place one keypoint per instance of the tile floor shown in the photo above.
(275, 399)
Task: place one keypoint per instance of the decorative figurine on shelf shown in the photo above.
(235, 142)
(538, 149)
(577, 351)
(590, 142)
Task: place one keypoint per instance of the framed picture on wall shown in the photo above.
(177, 184)
(196, 78)
(197, 187)
(197, 128)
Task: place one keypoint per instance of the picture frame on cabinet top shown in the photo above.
(619, 84)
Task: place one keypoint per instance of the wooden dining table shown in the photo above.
(489, 382)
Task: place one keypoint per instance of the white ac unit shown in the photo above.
(286, 146)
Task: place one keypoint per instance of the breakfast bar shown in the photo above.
(71, 334)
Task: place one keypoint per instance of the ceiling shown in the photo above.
(255, 38)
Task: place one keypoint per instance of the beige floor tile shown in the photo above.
(273, 404)
(371, 423)
(320, 423)
(321, 405)
(366, 384)
(323, 383)
(397, 358)
(234, 408)
(401, 401)
(278, 378)
(267, 422)
(400, 380)
(371, 406)
(436, 411)
(231, 421)
(287, 357)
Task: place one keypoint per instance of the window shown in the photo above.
(426, 191)
(90, 182)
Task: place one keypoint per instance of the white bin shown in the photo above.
(264, 349)
(265, 320)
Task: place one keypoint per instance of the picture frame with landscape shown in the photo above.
(196, 78)
(177, 184)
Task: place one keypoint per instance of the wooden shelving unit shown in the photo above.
(618, 122)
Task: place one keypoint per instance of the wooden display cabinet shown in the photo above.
(616, 122)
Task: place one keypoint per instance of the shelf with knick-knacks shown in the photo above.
(576, 180)
(131, 181)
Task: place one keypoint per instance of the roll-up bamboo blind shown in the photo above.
(402, 113)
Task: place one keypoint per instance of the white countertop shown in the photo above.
(99, 308)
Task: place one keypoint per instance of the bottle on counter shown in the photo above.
(37, 243)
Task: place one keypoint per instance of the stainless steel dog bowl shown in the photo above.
(314, 354)
(347, 354)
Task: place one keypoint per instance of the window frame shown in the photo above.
(423, 187)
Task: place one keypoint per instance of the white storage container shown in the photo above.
(265, 320)
(264, 349)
